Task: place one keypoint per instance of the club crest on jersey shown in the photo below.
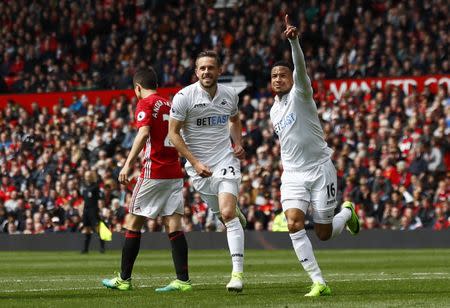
(287, 121)
(224, 102)
(199, 105)
(141, 116)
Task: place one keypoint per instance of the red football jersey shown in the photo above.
(161, 157)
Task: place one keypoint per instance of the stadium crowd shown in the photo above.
(390, 152)
(50, 46)
(390, 149)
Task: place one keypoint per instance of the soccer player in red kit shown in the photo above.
(158, 190)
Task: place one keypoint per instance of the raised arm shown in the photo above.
(301, 79)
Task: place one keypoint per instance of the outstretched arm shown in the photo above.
(301, 79)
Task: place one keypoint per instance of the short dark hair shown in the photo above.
(209, 54)
(283, 63)
(146, 77)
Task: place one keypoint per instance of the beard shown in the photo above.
(210, 84)
(281, 93)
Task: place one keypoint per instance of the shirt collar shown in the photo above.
(204, 92)
(282, 99)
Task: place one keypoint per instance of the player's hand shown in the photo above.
(123, 175)
(239, 151)
(202, 170)
(291, 32)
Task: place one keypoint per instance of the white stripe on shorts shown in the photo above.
(135, 193)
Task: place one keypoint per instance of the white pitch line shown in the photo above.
(49, 289)
(79, 279)
(151, 277)
(211, 283)
(421, 274)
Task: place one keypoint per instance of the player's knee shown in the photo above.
(228, 213)
(173, 223)
(295, 226)
(133, 222)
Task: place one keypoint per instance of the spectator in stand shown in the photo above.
(425, 212)
(371, 223)
(441, 221)
(29, 228)
(12, 228)
(410, 221)
(442, 193)
(392, 220)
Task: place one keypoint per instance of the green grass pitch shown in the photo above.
(358, 278)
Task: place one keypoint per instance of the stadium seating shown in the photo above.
(390, 148)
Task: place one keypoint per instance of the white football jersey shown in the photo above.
(296, 122)
(206, 123)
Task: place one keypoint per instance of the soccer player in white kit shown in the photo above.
(309, 177)
(206, 113)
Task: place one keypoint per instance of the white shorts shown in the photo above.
(314, 187)
(220, 186)
(153, 197)
(226, 178)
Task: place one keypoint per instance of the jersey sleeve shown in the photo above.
(179, 107)
(143, 116)
(302, 83)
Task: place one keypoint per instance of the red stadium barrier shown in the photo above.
(340, 86)
(50, 99)
(337, 87)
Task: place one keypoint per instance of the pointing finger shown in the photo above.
(286, 20)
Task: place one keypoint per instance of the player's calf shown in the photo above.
(323, 231)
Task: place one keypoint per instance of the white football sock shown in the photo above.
(340, 220)
(235, 237)
(305, 255)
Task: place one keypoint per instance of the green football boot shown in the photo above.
(236, 283)
(318, 289)
(117, 283)
(353, 222)
(176, 286)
